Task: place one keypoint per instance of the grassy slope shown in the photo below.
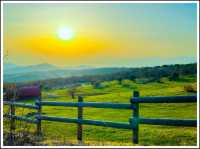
(149, 135)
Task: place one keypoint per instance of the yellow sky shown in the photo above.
(104, 34)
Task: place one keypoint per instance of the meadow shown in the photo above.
(57, 133)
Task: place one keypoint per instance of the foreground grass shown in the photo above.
(56, 133)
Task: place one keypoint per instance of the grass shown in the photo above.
(56, 133)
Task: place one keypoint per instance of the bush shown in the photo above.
(105, 84)
(71, 92)
(190, 88)
(21, 139)
(163, 80)
(97, 84)
(114, 83)
(21, 136)
(174, 76)
(128, 84)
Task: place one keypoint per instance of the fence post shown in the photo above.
(135, 119)
(80, 117)
(38, 103)
(12, 113)
(12, 121)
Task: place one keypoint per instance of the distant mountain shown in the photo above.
(78, 67)
(9, 65)
(10, 68)
(16, 73)
(43, 66)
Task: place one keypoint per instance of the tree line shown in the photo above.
(173, 72)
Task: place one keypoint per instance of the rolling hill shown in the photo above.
(16, 73)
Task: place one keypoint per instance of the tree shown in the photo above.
(174, 76)
(132, 77)
(120, 80)
(72, 91)
(96, 84)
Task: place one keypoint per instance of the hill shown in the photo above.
(15, 73)
(97, 75)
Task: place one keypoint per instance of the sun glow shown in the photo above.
(65, 33)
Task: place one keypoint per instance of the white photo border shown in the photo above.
(156, 2)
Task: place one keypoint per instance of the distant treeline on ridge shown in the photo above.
(152, 73)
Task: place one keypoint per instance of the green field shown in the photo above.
(56, 133)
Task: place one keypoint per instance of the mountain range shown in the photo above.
(17, 73)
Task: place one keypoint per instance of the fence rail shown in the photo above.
(21, 118)
(88, 122)
(17, 104)
(133, 123)
(170, 122)
(166, 99)
(89, 104)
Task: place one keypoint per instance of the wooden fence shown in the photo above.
(133, 123)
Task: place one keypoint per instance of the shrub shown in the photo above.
(128, 84)
(190, 88)
(21, 136)
(163, 80)
(174, 76)
(96, 84)
(114, 83)
(72, 92)
(105, 84)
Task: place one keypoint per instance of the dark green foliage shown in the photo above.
(173, 72)
(96, 84)
(120, 80)
(174, 76)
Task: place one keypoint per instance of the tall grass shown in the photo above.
(55, 133)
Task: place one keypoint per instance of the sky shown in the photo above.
(103, 34)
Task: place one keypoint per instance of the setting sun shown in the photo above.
(65, 33)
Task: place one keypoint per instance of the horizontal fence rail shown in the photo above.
(169, 122)
(22, 118)
(23, 105)
(88, 122)
(133, 123)
(89, 104)
(167, 99)
(54, 96)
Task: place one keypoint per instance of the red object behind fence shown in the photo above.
(29, 91)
